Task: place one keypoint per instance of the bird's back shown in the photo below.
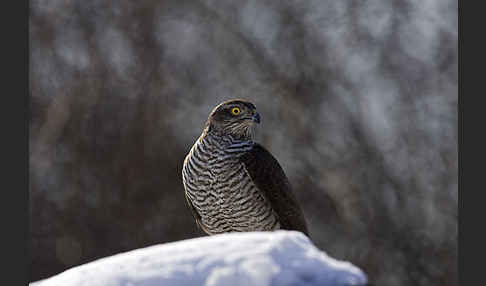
(270, 179)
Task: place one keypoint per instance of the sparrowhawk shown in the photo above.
(234, 184)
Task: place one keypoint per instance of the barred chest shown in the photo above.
(221, 190)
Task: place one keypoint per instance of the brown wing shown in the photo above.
(269, 177)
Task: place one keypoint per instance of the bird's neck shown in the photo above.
(226, 142)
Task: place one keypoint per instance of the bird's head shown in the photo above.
(233, 117)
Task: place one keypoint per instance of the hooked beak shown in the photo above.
(256, 117)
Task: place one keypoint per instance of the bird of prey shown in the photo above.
(234, 184)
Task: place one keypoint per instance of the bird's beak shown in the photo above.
(256, 117)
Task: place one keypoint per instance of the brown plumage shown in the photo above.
(269, 177)
(234, 184)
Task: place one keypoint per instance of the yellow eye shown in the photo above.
(235, 111)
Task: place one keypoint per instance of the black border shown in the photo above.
(470, 48)
(15, 149)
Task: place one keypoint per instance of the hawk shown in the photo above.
(233, 184)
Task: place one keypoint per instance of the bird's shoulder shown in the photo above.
(259, 160)
(269, 177)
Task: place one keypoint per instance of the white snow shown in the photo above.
(251, 258)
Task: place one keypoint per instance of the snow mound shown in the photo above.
(250, 258)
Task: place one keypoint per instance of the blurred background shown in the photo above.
(358, 102)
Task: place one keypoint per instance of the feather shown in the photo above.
(270, 179)
(195, 214)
